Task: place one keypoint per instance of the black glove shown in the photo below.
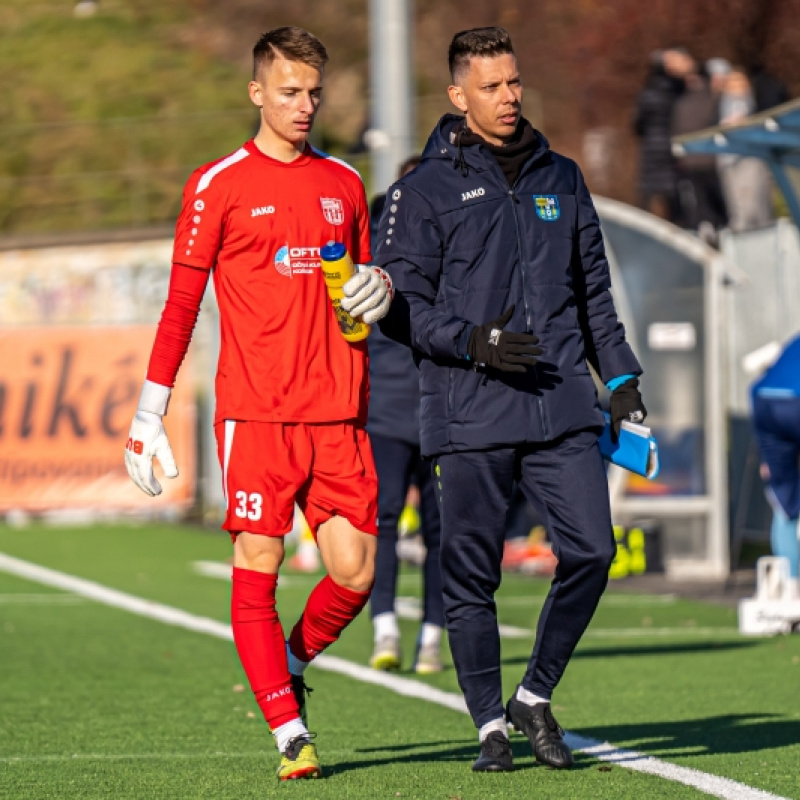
(626, 404)
(490, 346)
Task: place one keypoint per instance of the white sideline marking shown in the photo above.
(608, 600)
(221, 570)
(640, 762)
(604, 751)
(213, 569)
(410, 608)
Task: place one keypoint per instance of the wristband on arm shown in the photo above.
(154, 398)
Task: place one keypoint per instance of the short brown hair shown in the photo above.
(410, 163)
(477, 42)
(292, 43)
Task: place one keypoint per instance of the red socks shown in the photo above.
(259, 640)
(329, 610)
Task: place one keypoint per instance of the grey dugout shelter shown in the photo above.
(772, 135)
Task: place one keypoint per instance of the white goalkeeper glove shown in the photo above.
(148, 439)
(368, 294)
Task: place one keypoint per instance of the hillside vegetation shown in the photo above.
(104, 117)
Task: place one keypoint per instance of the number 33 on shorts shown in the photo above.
(248, 505)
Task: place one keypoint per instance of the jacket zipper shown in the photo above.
(539, 400)
(450, 399)
(512, 196)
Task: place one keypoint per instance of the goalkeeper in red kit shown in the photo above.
(291, 392)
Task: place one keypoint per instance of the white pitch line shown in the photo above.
(607, 601)
(640, 762)
(221, 570)
(213, 569)
(410, 608)
(604, 751)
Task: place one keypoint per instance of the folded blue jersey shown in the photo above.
(635, 450)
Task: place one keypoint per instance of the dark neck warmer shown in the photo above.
(511, 155)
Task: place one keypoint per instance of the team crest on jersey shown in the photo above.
(332, 210)
(547, 207)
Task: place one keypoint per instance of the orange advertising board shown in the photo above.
(67, 397)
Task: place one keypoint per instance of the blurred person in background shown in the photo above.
(702, 205)
(379, 200)
(746, 182)
(775, 399)
(290, 390)
(393, 425)
(527, 548)
(658, 182)
(504, 294)
(717, 70)
(306, 554)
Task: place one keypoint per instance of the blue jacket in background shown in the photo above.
(782, 379)
(461, 248)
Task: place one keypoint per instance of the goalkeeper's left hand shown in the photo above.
(368, 294)
(148, 439)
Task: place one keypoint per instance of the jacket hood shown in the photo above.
(445, 143)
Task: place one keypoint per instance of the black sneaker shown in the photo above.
(301, 689)
(495, 754)
(545, 734)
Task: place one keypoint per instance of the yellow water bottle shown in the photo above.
(337, 268)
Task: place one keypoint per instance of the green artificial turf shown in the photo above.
(98, 702)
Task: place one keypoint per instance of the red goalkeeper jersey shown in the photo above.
(259, 225)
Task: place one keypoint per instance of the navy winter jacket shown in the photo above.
(393, 390)
(393, 375)
(462, 247)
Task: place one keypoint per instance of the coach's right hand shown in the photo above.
(491, 346)
(148, 439)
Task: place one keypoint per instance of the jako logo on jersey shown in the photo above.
(293, 260)
(261, 210)
(479, 192)
(332, 210)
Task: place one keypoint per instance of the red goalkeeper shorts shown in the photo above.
(326, 468)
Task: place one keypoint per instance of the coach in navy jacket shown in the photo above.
(502, 289)
(462, 246)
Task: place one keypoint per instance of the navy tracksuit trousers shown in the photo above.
(396, 463)
(568, 478)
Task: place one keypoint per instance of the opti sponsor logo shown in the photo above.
(471, 195)
(297, 260)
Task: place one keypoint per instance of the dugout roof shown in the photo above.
(772, 135)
